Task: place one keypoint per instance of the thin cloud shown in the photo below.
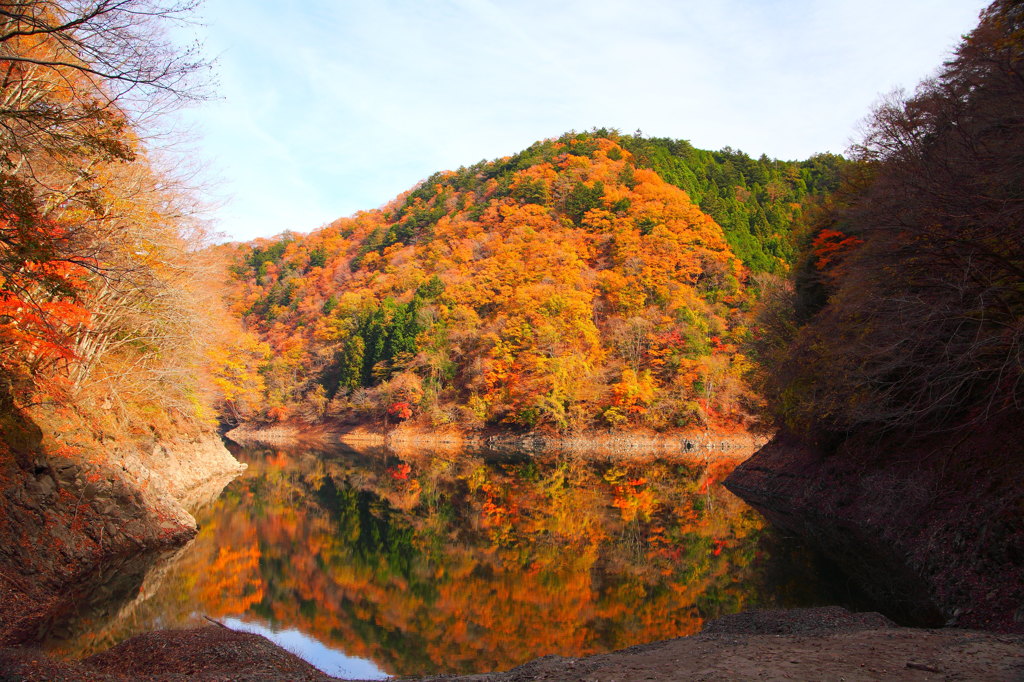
(336, 106)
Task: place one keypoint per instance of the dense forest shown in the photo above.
(596, 280)
(569, 286)
(906, 314)
(868, 312)
(580, 283)
(758, 202)
(106, 303)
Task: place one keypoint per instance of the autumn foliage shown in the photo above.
(907, 313)
(563, 288)
(104, 281)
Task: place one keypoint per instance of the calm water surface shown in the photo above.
(374, 562)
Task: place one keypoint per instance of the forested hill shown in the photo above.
(567, 286)
(756, 201)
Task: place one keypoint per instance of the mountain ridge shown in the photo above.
(564, 287)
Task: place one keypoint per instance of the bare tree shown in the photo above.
(86, 219)
(922, 328)
(74, 74)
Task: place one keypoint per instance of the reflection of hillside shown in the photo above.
(463, 564)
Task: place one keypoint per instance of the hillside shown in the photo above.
(106, 313)
(893, 365)
(756, 201)
(567, 286)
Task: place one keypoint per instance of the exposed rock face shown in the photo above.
(182, 468)
(70, 518)
(932, 531)
(626, 443)
(607, 443)
(113, 600)
(276, 434)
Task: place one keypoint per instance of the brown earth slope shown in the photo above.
(76, 511)
(932, 530)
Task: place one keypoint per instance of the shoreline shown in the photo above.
(774, 643)
(67, 519)
(400, 437)
(929, 528)
(821, 643)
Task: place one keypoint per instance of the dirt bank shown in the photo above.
(398, 437)
(820, 644)
(115, 602)
(210, 653)
(933, 530)
(75, 510)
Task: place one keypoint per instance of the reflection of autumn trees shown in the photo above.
(232, 580)
(431, 564)
(427, 563)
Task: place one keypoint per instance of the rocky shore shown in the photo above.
(913, 531)
(74, 517)
(398, 437)
(932, 529)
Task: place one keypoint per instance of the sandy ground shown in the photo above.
(804, 644)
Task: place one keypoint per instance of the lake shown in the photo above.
(371, 563)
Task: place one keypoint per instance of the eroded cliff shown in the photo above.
(932, 529)
(76, 509)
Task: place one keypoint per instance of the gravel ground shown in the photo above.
(801, 644)
(807, 644)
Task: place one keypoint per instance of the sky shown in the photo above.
(328, 107)
(328, 660)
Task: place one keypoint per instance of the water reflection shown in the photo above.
(430, 563)
(328, 660)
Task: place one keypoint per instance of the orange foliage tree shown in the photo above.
(103, 279)
(563, 288)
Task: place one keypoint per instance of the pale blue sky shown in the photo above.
(332, 106)
(309, 649)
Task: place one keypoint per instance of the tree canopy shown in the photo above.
(908, 312)
(100, 273)
(565, 286)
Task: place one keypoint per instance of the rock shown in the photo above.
(47, 486)
(68, 524)
(65, 472)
